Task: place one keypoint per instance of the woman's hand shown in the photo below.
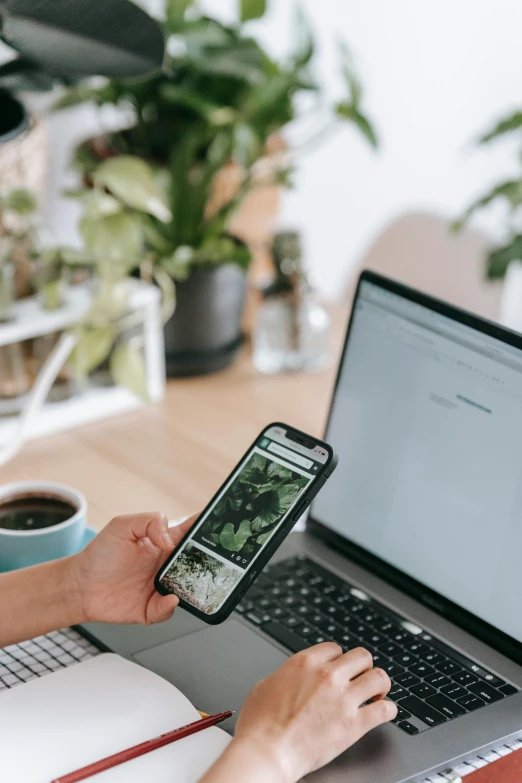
(304, 715)
(114, 574)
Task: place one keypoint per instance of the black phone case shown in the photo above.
(275, 542)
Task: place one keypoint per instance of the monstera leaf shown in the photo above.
(273, 504)
(233, 541)
(72, 38)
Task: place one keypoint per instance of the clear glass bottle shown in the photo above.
(292, 331)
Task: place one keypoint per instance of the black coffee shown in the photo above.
(34, 512)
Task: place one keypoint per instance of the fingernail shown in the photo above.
(167, 540)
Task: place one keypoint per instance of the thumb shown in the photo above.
(160, 608)
(178, 529)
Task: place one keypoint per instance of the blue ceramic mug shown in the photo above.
(25, 547)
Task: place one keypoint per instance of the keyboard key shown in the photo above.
(278, 612)
(286, 637)
(319, 639)
(508, 690)
(423, 711)
(256, 619)
(421, 669)
(397, 693)
(290, 621)
(376, 639)
(423, 690)
(464, 678)
(454, 691)
(470, 702)
(385, 626)
(492, 679)
(433, 657)
(485, 691)
(405, 659)
(264, 603)
(415, 647)
(392, 668)
(389, 648)
(402, 714)
(448, 667)
(448, 708)
(438, 680)
(345, 640)
(406, 680)
(306, 630)
(408, 727)
(401, 636)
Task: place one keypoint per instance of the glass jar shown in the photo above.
(290, 336)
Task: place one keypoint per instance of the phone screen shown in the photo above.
(237, 525)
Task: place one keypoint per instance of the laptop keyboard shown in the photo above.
(298, 603)
(25, 661)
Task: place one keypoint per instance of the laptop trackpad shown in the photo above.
(215, 668)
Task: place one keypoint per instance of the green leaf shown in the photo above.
(20, 200)
(507, 125)
(305, 42)
(251, 9)
(93, 347)
(70, 39)
(263, 538)
(20, 74)
(99, 204)
(74, 96)
(499, 260)
(175, 13)
(350, 75)
(347, 112)
(131, 180)
(233, 541)
(51, 294)
(128, 369)
(511, 191)
(113, 239)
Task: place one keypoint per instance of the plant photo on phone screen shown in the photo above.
(250, 510)
(236, 528)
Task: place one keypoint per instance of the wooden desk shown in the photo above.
(173, 456)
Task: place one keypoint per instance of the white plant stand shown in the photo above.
(31, 320)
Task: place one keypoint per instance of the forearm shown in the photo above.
(37, 600)
(244, 762)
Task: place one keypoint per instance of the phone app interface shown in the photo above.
(243, 518)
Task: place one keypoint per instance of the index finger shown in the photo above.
(355, 662)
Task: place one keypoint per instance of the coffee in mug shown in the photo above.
(34, 511)
(39, 521)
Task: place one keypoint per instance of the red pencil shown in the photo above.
(142, 748)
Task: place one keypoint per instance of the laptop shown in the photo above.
(411, 550)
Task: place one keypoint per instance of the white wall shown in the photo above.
(436, 74)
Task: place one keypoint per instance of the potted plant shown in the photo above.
(509, 195)
(214, 110)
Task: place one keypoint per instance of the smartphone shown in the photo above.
(246, 521)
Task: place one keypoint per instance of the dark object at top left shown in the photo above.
(64, 40)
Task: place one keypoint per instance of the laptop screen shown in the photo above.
(427, 422)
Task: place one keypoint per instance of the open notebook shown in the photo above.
(73, 717)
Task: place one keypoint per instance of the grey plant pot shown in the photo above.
(204, 334)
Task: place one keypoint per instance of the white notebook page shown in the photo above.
(73, 717)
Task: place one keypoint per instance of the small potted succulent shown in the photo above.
(207, 125)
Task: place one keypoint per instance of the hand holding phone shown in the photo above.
(246, 521)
